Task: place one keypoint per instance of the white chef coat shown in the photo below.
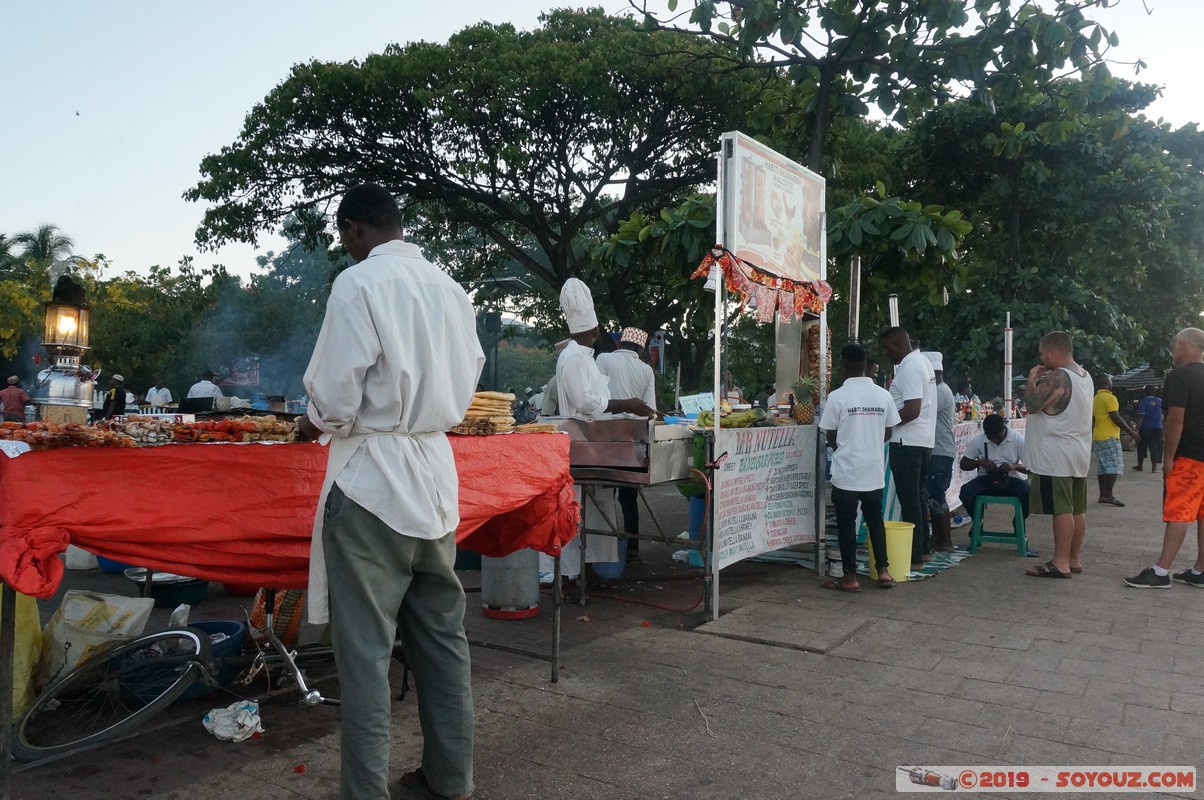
(629, 376)
(205, 389)
(395, 365)
(914, 379)
(159, 396)
(582, 391)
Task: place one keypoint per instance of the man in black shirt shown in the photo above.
(1183, 469)
(114, 405)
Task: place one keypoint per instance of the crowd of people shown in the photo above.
(1073, 424)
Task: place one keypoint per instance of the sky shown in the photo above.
(108, 108)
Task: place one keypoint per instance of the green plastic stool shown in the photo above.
(1017, 537)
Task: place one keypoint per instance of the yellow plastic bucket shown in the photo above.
(898, 550)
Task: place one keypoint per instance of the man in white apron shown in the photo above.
(583, 392)
(395, 365)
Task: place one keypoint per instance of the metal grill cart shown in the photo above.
(625, 453)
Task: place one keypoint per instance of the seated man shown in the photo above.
(996, 454)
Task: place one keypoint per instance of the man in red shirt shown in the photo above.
(13, 400)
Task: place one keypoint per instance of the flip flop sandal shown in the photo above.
(1046, 570)
(1077, 570)
(1113, 502)
(886, 584)
(839, 587)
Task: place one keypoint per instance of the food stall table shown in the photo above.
(244, 513)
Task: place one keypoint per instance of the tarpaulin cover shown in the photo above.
(244, 513)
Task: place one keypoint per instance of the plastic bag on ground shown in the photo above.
(234, 723)
(86, 622)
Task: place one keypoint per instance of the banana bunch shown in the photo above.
(739, 419)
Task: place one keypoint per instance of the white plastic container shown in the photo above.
(78, 558)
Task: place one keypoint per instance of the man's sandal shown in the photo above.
(1046, 570)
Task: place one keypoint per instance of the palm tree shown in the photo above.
(45, 244)
(44, 248)
(7, 259)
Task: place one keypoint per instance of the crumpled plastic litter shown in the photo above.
(234, 723)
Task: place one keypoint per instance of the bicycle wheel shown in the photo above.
(111, 694)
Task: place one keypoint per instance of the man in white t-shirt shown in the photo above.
(857, 419)
(996, 453)
(911, 441)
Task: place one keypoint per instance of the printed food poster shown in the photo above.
(777, 209)
(766, 490)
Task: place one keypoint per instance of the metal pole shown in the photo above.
(721, 236)
(855, 299)
(1007, 367)
(557, 602)
(8, 639)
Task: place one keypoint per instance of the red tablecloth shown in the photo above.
(244, 513)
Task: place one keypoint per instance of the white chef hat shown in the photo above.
(938, 361)
(577, 303)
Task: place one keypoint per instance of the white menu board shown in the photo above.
(766, 490)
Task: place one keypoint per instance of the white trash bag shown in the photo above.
(85, 623)
(235, 723)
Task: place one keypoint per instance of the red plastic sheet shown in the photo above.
(244, 513)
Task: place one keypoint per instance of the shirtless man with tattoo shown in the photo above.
(1057, 450)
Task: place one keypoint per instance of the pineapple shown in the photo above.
(806, 391)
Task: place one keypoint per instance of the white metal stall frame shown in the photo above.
(782, 230)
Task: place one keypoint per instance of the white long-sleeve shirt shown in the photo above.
(582, 390)
(629, 376)
(205, 389)
(396, 363)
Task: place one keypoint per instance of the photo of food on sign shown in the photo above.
(779, 206)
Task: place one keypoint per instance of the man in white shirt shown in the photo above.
(395, 365)
(159, 395)
(911, 441)
(583, 392)
(996, 453)
(630, 377)
(1057, 449)
(857, 419)
(205, 387)
(940, 464)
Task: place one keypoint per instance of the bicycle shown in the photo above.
(115, 693)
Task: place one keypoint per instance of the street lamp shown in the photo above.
(64, 391)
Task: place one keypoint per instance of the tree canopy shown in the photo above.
(902, 56)
(537, 142)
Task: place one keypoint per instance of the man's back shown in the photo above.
(397, 361)
(859, 412)
(629, 376)
(1058, 442)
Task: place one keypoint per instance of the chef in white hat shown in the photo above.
(583, 392)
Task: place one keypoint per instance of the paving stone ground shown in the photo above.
(794, 692)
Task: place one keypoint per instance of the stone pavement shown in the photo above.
(794, 692)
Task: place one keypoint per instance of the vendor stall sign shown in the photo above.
(766, 490)
(693, 403)
(776, 208)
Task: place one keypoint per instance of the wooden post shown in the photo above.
(8, 639)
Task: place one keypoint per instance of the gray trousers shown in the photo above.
(383, 583)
